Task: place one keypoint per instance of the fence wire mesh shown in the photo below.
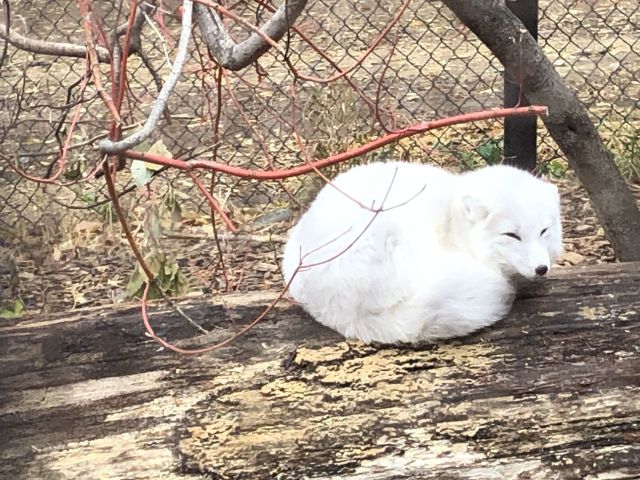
(428, 66)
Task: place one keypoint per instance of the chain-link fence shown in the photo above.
(428, 66)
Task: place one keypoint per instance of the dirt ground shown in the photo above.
(95, 268)
(55, 258)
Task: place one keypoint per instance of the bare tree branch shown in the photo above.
(109, 146)
(144, 7)
(58, 49)
(568, 121)
(235, 56)
(65, 49)
(7, 20)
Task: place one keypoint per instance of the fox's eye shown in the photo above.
(544, 230)
(512, 235)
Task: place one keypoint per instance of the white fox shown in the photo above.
(439, 259)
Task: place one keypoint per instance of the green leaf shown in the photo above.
(14, 312)
(73, 173)
(154, 261)
(136, 282)
(88, 197)
(490, 151)
(168, 279)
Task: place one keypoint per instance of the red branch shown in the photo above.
(375, 44)
(340, 157)
(111, 187)
(87, 22)
(213, 203)
(342, 72)
(196, 351)
(301, 266)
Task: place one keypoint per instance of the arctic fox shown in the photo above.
(400, 252)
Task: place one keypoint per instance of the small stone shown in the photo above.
(275, 216)
(573, 258)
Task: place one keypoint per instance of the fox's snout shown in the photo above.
(538, 262)
(534, 272)
(541, 270)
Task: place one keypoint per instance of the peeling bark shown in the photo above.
(568, 121)
(552, 392)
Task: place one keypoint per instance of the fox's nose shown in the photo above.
(541, 270)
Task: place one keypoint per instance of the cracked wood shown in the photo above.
(552, 392)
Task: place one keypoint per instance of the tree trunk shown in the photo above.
(552, 392)
(568, 120)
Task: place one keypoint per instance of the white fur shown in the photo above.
(437, 266)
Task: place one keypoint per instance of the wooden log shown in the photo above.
(552, 392)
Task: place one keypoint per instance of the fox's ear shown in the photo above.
(474, 209)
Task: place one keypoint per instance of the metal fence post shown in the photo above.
(520, 140)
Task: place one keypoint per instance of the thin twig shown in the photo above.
(215, 120)
(196, 351)
(109, 177)
(213, 203)
(310, 162)
(94, 62)
(62, 159)
(181, 312)
(7, 28)
(370, 103)
(379, 89)
(151, 123)
(361, 59)
(261, 141)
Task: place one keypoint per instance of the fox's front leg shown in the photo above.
(465, 297)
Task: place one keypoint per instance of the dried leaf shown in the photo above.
(140, 173)
(158, 148)
(84, 227)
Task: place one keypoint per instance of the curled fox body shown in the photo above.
(439, 259)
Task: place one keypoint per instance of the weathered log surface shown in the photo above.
(553, 392)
